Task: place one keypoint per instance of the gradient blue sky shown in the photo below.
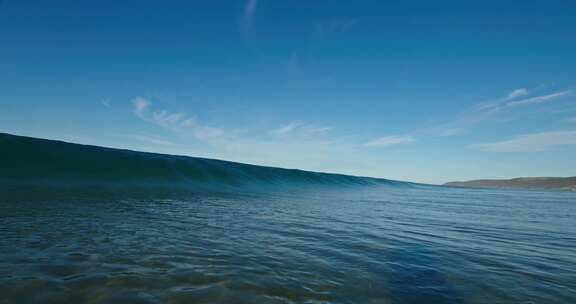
(427, 91)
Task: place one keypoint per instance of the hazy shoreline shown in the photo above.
(536, 183)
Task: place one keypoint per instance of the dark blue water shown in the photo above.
(373, 244)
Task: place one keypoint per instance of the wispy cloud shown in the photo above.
(504, 108)
(141, 106)
(387, 141)
(167, 119)
(248, 17)
(201, 131)
(286, 129)
(538, 99)
(301, 129)
(533, 142)
(183, 124)
(512, 100)
(517, 93)
(106, 102)
(295, 144)
(174, 121)
(250, 9)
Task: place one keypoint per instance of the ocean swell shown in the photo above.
(39, 161)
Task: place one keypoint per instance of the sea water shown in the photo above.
(364, 244)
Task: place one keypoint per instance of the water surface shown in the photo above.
(373, 244)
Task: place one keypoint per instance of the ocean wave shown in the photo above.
(32, 160)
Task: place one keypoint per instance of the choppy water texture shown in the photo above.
(369, 244)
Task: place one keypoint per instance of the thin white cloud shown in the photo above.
(517, 93)
(201, 131)
(503, 108)
(183, 124)
(533, 142)
(392, 140)
(106, 102)
(174, 121)
(299, 128)
(538, 99)
(250, 9)
(141, 106)
(512, 100)
(167, 119)
(246, 25)
(247, 22)
(318, 130)
(286, 129)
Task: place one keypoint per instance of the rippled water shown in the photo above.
(376, 245)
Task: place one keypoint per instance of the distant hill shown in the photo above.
(550, 183)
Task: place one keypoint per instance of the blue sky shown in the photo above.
(428, 91)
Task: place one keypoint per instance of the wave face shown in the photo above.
(25, 159)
